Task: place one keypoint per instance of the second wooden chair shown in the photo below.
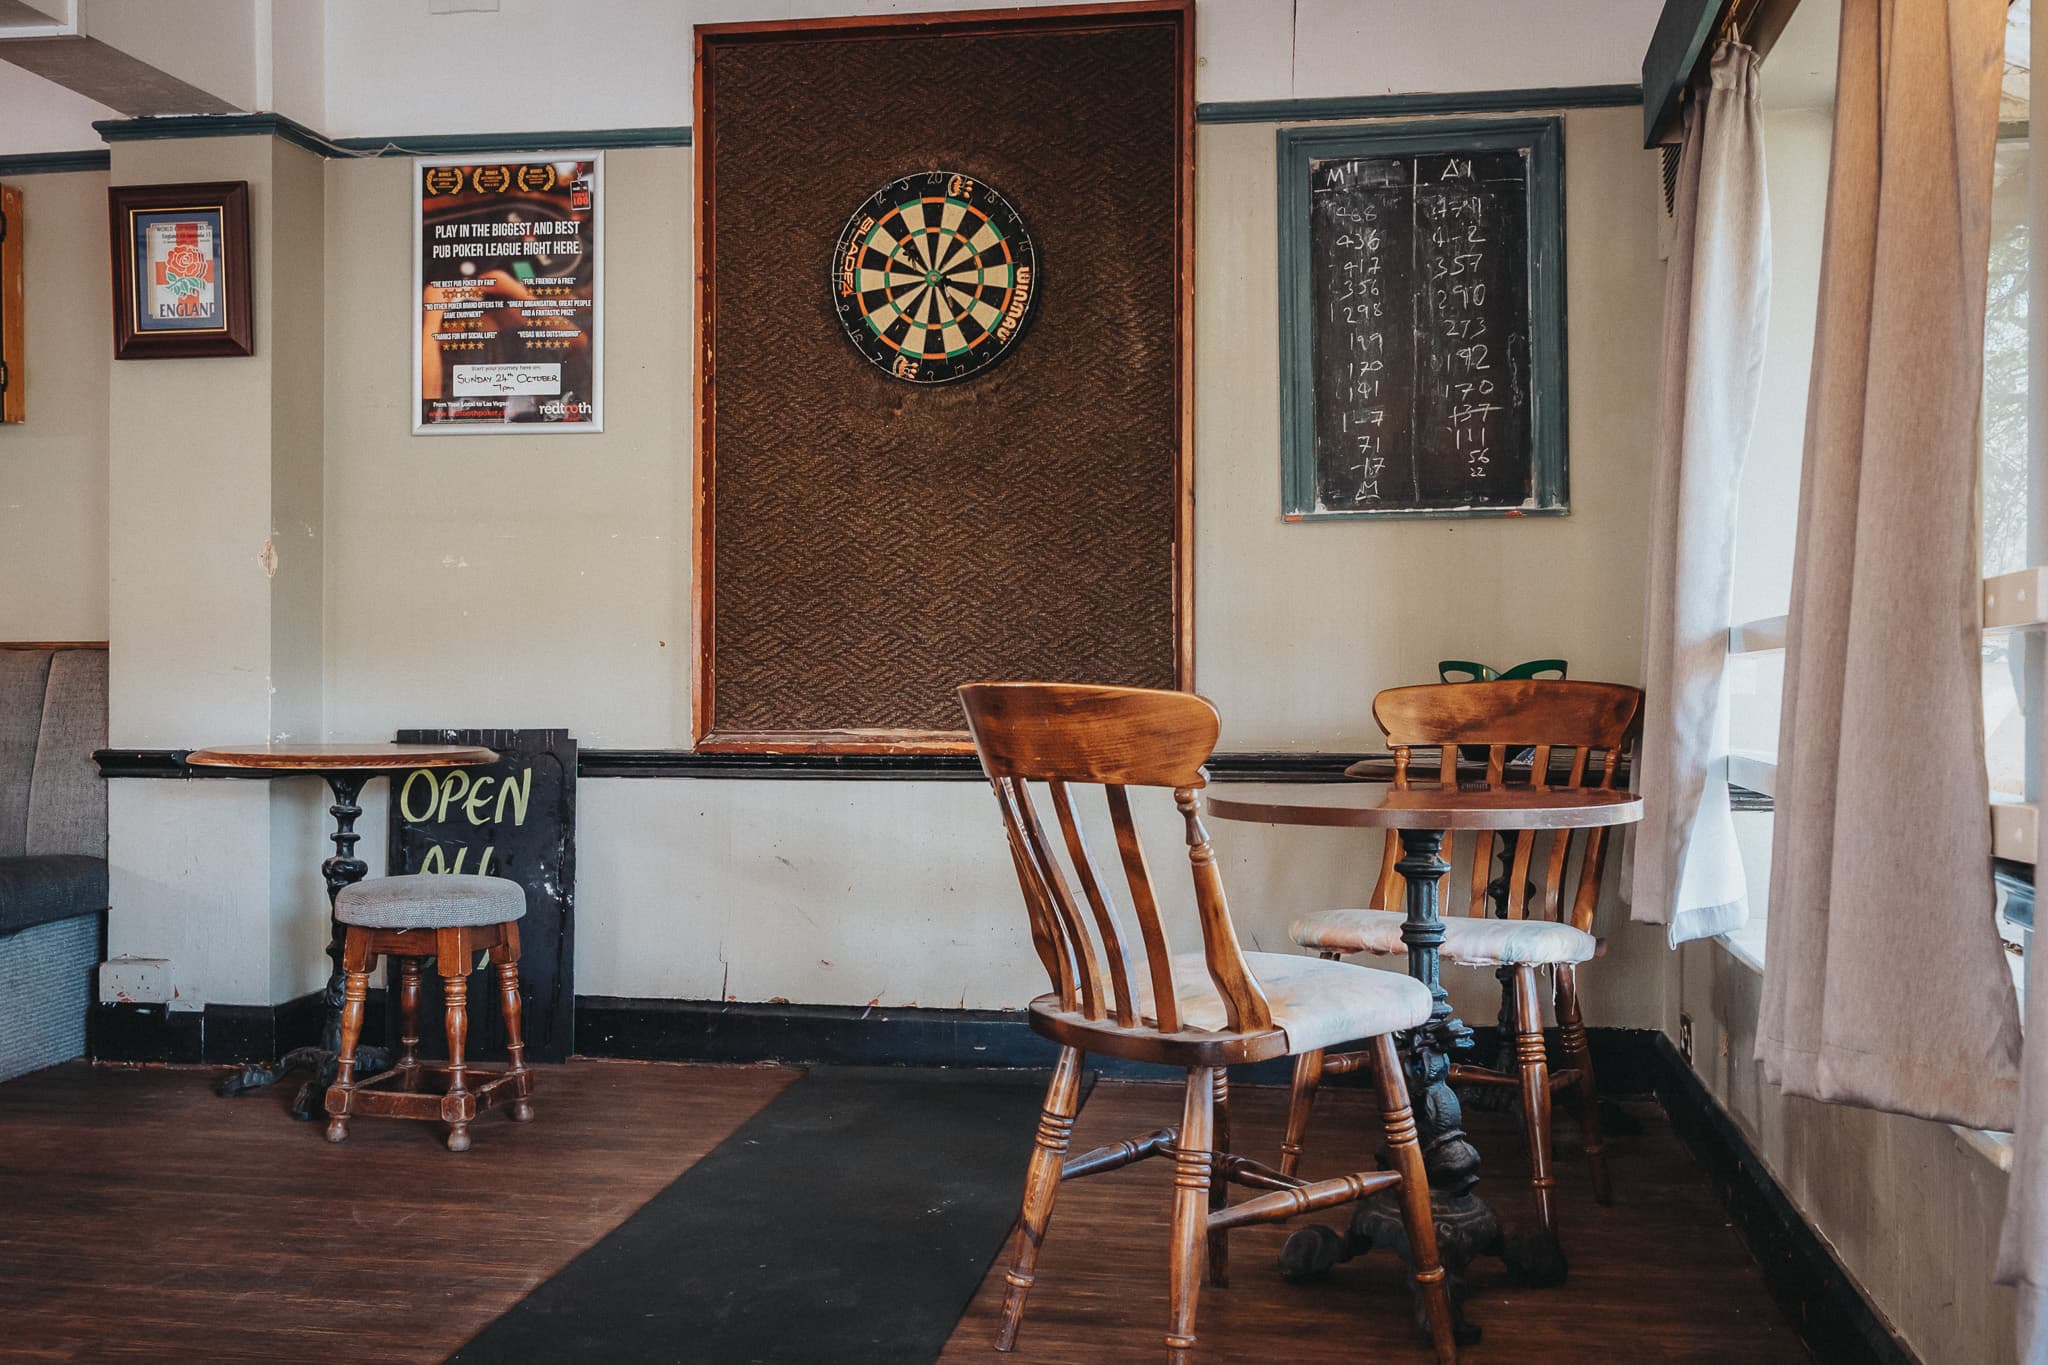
(1126, 995)
(1513, 926)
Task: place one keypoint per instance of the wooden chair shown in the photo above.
(448, 919)
(1560, 724)
(1131, 997)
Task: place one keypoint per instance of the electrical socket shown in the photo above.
(136, 980)
(1685, 1037)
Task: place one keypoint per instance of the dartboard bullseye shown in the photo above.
(934, 277)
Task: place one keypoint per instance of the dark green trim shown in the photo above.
(216, 125)
(1680, 40)
(492, 144)
(427, 144)
(1544, 139)
(1419, 103)
(46, 163)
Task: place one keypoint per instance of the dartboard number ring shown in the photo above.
(934, 277)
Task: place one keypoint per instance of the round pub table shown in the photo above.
(1423, 815)
(345, 767)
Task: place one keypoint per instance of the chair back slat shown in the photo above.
(1145, 905)
(1106, 922)
(1048, 936)
(1506, 717)
(1114, 737)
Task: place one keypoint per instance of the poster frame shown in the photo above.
(595, 426)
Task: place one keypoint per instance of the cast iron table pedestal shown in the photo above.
(345, 768)
(1466, 1225)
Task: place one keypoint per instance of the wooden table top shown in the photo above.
(340, 757)
(1375, 805)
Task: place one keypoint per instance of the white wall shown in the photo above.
(53, 466)
(41, 116)
(630, 60)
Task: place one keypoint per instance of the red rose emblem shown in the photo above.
(185, 260)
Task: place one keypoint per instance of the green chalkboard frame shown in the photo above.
(1544, 140)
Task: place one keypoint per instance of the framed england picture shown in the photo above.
(180, 269)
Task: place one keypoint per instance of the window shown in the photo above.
(2014, 542)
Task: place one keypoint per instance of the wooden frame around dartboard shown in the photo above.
(726, 728)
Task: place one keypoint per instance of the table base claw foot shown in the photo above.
(1465, 1228)
(1535, 1258)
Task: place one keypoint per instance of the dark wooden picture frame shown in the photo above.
(13, 363)
(1178, 15)
(1542, 141)
(129, 207)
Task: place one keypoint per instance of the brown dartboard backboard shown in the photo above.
(908, 477)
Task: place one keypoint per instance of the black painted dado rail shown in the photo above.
(1245, 766)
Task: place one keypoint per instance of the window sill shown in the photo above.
(1746, 945)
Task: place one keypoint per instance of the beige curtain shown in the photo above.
(1884, 983)
(1686, 870)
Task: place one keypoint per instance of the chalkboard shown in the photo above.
(1422, 320)
(515, 818)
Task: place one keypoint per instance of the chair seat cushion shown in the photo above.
(430, 901)
(45, 887)
(1468, 939)
(1314, 1002)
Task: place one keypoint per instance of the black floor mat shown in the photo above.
(850, 1221)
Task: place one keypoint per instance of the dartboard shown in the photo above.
(934, 277)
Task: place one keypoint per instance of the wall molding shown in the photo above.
(1812, 1287)
(1317, 766)
(1420, 103)
(605, 139)
(421, 144)
(50, 163)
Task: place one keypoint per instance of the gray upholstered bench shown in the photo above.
(449, 919)
(53, 850)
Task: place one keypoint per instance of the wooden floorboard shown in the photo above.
(1657, 1276)
(143, 1219)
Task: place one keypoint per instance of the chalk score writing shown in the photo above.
(1419, 331)
(428, 795)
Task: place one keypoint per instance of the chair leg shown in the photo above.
(515, 1044)
(456, 1104)
(1192, 1159)
(1041, 1186)
(1219, 1188)
(409, 1023)
(1581, 1058)
(357, 962)
(1301, 1102)
(1405, 1149)
(1534, 1065)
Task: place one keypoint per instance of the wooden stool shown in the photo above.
(449, 919)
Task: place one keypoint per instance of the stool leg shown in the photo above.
(515, 1044)
(456, 1105)
(357, 962)
(409, 1023)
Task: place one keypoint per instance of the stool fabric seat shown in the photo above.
(430, 901)
(1469, 939)
(1316, 1003)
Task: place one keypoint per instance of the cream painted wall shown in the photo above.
(37, 115)
(543, 580)
(53, 467)
(207, 645)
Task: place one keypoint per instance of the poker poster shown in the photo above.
(508, 286)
